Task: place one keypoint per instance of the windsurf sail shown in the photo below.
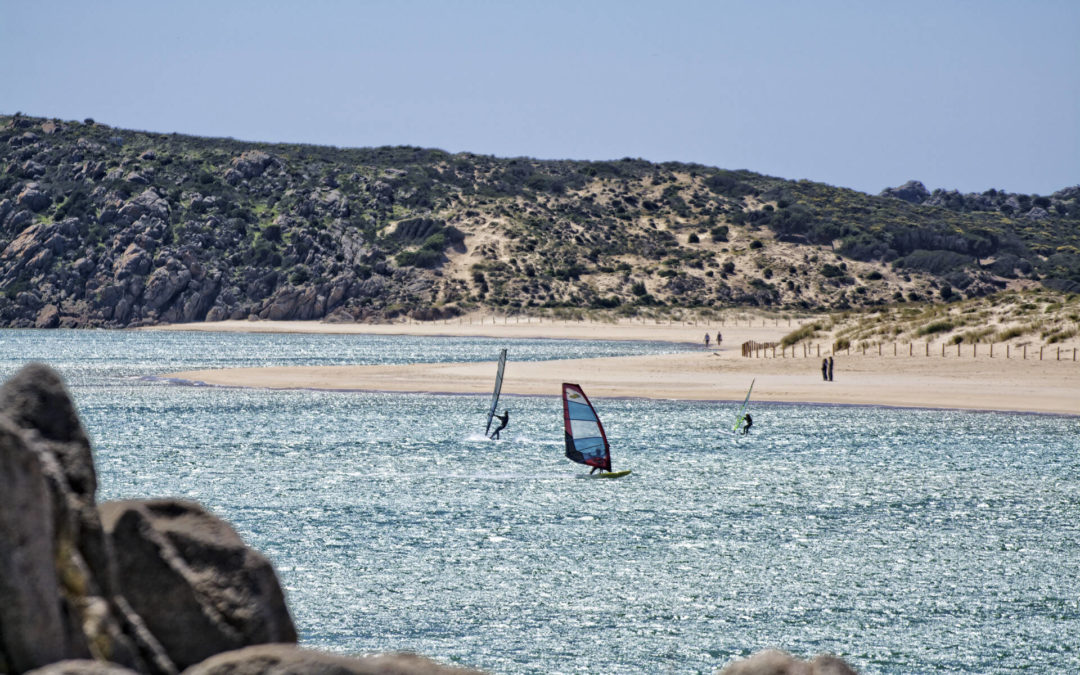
(742, 411)
(498, 388)
(585, 439)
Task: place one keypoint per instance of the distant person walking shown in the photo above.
(825, 369)
(719, 338)
(706, 340)
(830, 369)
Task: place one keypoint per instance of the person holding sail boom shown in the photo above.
(504, 419)
(749, 423)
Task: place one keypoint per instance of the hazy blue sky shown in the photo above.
(862, 94)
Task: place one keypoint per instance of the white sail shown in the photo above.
(498, 388)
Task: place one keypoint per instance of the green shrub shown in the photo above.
(829, 271)
(935, 327)
(803, 333)
(299, 275)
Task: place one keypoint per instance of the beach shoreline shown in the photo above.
(931, 378)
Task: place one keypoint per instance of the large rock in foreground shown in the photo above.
(56, 578)
(133, 586)
(190, 577)
(290, 660)
(775, 662)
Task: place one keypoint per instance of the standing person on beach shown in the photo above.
(719, 338)
(706, 340)
(825, 369)
(830, 369)
(504, 419)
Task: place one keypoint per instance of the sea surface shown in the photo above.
(905, 541)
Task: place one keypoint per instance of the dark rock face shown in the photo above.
(290, 660)
(193, 581)
(912, 191)
(33, 633)
(48, 317)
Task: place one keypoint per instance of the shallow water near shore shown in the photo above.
(906, 541)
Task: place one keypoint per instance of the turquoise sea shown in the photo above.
(906, 541)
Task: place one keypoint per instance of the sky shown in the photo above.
(966, 95)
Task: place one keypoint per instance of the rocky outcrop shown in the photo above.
(252, 163)
(146, 586)
(56, 590)
(33, 198)
(912, 191)
(48, 317)
(193, 581)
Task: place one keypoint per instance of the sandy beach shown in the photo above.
(900, 376)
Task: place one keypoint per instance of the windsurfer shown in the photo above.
(749, 423)
(504, 419)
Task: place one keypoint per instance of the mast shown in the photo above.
(498, 388)
(742, 411)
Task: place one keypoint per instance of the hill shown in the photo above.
(109, 227)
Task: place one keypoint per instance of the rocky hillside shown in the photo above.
(108, 227)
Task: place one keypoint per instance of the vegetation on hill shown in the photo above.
(1036, 317)
(102, 226)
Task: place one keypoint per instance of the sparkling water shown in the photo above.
(906, 541)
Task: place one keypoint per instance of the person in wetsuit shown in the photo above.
(749, 423)
(504, 419)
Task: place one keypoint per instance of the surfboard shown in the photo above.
(607, 474)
